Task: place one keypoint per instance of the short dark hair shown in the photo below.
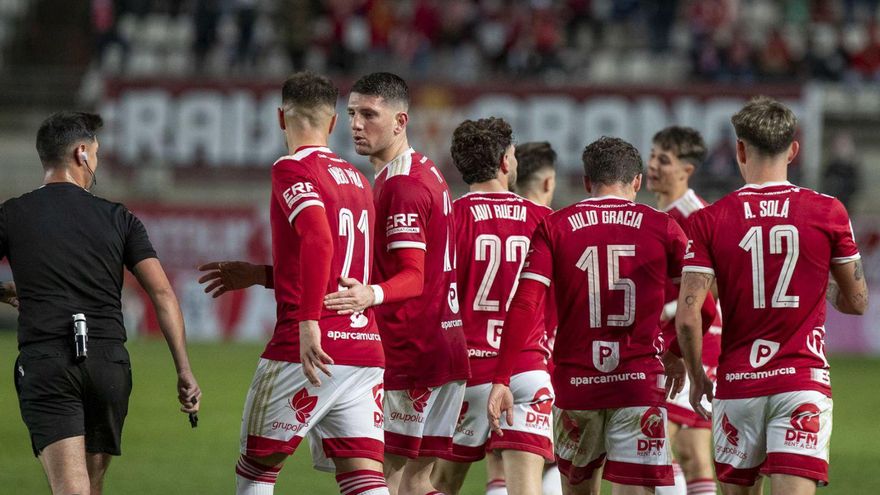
(531, 158)
(306, 92)
(478, 146)
(610, 160)
(766, 124)
(63, 130)
(390, 87)
(685, 143)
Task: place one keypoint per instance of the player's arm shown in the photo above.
(848, 289)
(152, 278)
(407, 282)
(225, 276)
(520, 319)
(315, 257)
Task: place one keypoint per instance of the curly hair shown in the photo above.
(610, 160)
(478, 146)
(684, 142)
(766, 124)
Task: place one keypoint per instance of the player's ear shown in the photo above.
(689, 169)
(401, 120)
(637, 183)
(740, 152)
(281, 123)
(588, 185)
(333, 123)
(550, 183)
(793, 150)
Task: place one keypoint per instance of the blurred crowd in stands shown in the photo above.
(551, 40)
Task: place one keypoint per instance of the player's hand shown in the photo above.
(8, 294)
(312, 357)
(356, 298)
(188, 392)
(500, 400)
(675, 371)
(224, 276)
(701, 386)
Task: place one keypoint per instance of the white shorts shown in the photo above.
(532, 429)
(785, 433)
(342, 418)
(420, 422)
(680, 410)
(632, 438)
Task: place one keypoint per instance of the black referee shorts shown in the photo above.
(60, 398)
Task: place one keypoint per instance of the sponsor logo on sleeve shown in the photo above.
(762, 352)
(298, 191)
(402, 223)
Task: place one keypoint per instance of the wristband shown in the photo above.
(378, 294)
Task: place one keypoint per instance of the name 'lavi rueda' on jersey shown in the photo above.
(504, 212)
(589, 218)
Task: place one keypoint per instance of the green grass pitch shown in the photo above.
(163, 455)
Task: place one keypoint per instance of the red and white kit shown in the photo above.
(344, 414)
(784, 238)
(423, 337)
(609, 260)
(679, 408)
(493, 232)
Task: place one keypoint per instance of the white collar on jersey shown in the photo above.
(607, 196)
(689, 197)
(767, 184)
(409, 151)
(479, 193)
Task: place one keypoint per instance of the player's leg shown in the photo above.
(579, 442)
(97, 465)
(405, 414)
(693, 447)
(442, 409)
(638, 453)
(448, 476)
(496, 484)
(739, 431)
(351, 433)
(393, 470)
(468, 441)
(551, 481)
(680, 485)
(531, 432)
(524, 472)
(798, 439)
(64, 462)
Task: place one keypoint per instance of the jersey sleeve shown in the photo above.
(137, 242)
(294, 188)
(407, 205)
(843, 248)
(697, 256)
(676, 245)
(539, 262)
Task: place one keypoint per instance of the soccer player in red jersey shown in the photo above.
(415, 292)
(770, 246)
(608, 259)
(322, 218)
(493, 229)
(676, 152)
(536, 172)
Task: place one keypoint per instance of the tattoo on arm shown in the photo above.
(859, 270)
(833, 293)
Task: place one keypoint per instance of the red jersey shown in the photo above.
(770, 248)
(681, 210)
(315, 176)
(493, 232)
(423, 336)
(609, 260)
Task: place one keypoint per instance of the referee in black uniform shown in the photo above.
(67, 250)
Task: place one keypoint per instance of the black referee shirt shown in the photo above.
(67, 250)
